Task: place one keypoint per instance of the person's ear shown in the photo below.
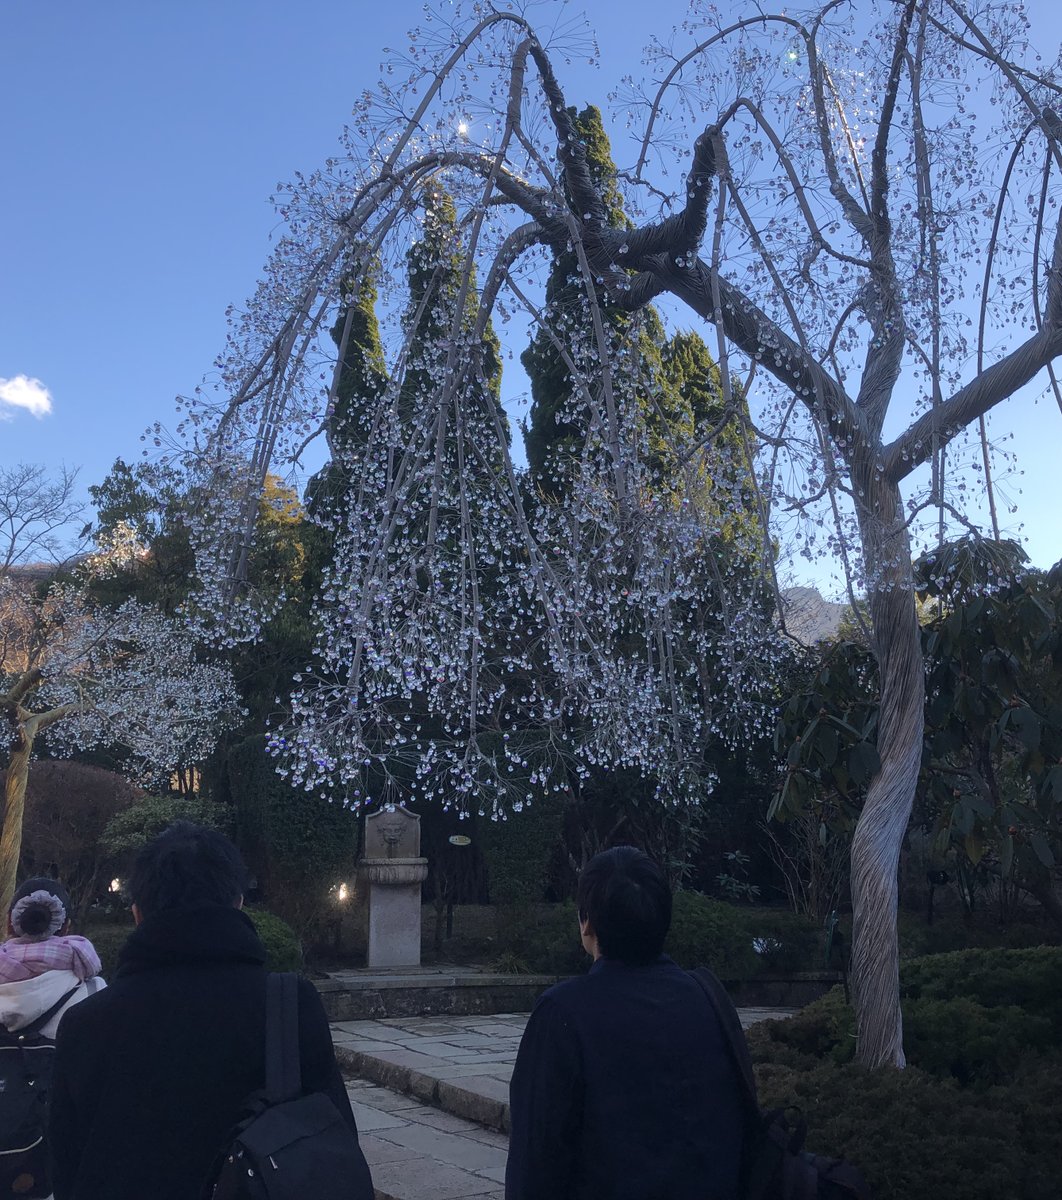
(138, 916)
(589, 938)
(239, 902)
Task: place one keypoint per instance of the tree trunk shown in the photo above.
(882, 825)
(14, 809)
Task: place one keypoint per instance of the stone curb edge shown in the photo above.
(442, 1093)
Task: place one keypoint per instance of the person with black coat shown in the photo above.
(624, 1088)
(152, 1074)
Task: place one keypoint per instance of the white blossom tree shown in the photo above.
(89, 676)
(867, 218)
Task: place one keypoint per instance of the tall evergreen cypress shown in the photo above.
(693, 396)
(692, 454)
(435, 265)
(558, 417)
(675, 381)
(360, 389)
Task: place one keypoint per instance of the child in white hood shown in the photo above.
(41, 963)
(43, 971)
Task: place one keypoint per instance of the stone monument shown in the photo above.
(394, 870)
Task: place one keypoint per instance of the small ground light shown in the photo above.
(342, 893)
(115, 885)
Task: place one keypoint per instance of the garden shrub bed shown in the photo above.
(741, 942)
(543, 939)
(283, 951)
(108, 939)
(966, 931)
(976, 1114)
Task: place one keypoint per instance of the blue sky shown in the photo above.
(140, 143)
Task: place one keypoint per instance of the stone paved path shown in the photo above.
(431, 1100)
(417, 1152)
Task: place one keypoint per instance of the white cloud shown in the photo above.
(23, 392)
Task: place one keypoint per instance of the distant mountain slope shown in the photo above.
(808, 617)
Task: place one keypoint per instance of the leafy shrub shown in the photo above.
(283, 951)
(128, 831)
(824, 1029)
(541, 939)
(914, 1136)
(68, 808)
(972, 1014)
(1033, 1098)
(109, 939)
(740, 942)
(508, 963)
(704, 932)
(975, 1114)
(1031, 979)
(965, 1039)
(959, 931)
(518, 850)
(786, 942)
(710, 933)
(298, 844)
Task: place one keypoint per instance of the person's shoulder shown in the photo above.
(88, 1010)
(312, 1014)
(565, 988)
(309, 996)
(566, 996)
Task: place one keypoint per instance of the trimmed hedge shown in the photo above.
(963, 931)
(538, 940)
(1029, 978)
(108, 940)
(976, 1113)
(704, 932)
(914, 1136)
(711, 933)
(282, 947)
(518, 851)
(283, 952)
(128, 832)
(298, 844)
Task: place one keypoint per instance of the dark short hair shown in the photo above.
(186, 867)
(626, 899)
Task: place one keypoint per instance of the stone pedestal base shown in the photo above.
(394, 910)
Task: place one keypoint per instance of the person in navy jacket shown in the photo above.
(623, 1087)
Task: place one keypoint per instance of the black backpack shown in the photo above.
(26, 1059)
(775, 1164)
(288, 1146)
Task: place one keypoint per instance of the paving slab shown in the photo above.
(420, 1153)
(431, 1099)
(461, 1065)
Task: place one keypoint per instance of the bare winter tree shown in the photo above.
(868, 222)
(35, 513)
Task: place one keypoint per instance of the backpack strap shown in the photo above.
(283, 1072)
(37, 1025)
(733, 1034)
